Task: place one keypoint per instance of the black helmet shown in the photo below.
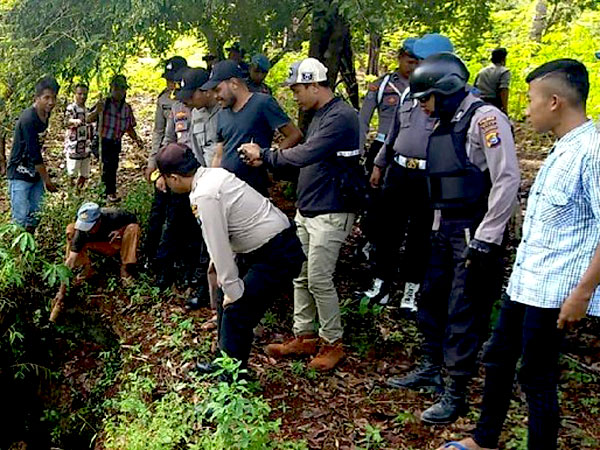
(174, 68)
(444, 73)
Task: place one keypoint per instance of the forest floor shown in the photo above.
(148, 334)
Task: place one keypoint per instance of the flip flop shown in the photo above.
(456, 445)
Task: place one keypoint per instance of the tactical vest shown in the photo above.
(454, 181)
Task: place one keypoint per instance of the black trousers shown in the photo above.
(156, 222)
(529, 333)
(404, 211)
(181, 242)
(266, 272)
(456, 301)
(372, 214)
(111, 149)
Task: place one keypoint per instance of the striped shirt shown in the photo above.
(562, 224)
(117, 118)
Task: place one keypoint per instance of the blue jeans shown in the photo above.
(25, 201)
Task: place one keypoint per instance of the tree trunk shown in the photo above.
(348, 72)
(330, 43)
(539, 21)
(374, 49)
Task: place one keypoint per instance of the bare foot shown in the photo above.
(467, 443)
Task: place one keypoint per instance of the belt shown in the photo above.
(380, 137)
(411, 163)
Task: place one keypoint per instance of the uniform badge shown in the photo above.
(373, 87)
(492, 139)
(488, 124)
(392, 99)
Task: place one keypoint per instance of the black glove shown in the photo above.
(480, 251)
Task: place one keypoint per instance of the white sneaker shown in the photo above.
(366, 250)
(379, 292)
(375, 289)
(409, 299)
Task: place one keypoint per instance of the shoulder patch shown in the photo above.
(391, 99)
(492, 139)
(373, 87)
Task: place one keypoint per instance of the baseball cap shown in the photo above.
(87, 216)
(430, 44)
(309, 70)
(176, 158)
(119, 81)
(192, 78)
(174, 67)
(222, 71)
(261, 62)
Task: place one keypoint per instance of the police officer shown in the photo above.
(252, 245)
(204, 107)
(259, 69)
(172, 72)
(402, 160)
(383, 95)
(473, 179)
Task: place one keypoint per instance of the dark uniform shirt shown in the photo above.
(111, 219)
(261, 88)
(26, 153)
(384, 99)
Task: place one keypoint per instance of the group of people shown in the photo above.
(444, 158)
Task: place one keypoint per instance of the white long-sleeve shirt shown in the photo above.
(235, 218)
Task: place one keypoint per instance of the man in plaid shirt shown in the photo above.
(115, 118)
(557, 269)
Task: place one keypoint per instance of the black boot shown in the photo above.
(200, 298)
(451, 405)
(425, 378)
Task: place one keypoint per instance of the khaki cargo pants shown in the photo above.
(315, 295)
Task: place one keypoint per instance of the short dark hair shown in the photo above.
(175, 158)
(324, 83)
(499, 55)
(46, 83)
(571, 72)
(82, 86)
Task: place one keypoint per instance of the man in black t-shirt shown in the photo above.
(27, 175)
(106, 231)
(246, 117)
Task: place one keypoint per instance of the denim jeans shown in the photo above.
(25, 201)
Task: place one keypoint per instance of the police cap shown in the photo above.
(442, 73)
(174, 67)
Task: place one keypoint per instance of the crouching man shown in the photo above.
(105, 231)
(252, 244)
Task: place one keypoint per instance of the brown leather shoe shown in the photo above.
(329, 356)
(57, 307)
(301, 345)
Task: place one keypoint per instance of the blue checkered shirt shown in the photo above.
(562, 224)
